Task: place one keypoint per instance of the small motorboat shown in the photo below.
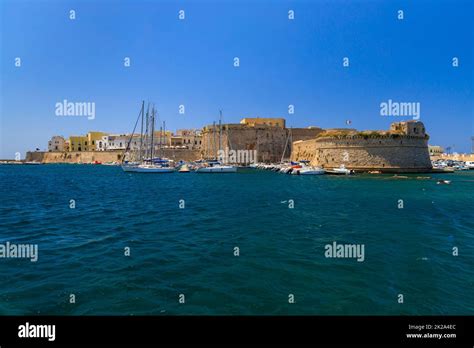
(342, 170)
(444, 182)
(184, 169)
(308, 171)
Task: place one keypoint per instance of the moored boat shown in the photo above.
(309, 171)
(146, 162)
(469, 164)
(147, 168)
(184, 169)
(342, 170)
(216, 167)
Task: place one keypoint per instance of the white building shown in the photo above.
(117, 142)
(57, 143)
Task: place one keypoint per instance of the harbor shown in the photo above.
(263, 143)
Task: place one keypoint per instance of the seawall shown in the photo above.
(104, 156)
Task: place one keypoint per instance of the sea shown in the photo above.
(249, 243)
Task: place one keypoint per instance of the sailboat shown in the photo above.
(146, 162)
(301, 168)
(214, 166)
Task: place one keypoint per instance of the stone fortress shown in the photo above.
(402, 149)
(269, 137)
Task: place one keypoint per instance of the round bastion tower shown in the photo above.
(402, 149)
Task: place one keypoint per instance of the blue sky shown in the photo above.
(190, 62)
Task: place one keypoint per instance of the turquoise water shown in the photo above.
(190, 251)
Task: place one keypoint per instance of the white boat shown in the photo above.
(147, 162)
(218, 168)
(461, 167)
(308, 171)
(470, 164)
(147, 168)
(342, 170)
(444, 182)
(184, 169)
(215, 165)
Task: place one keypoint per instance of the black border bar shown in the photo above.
(347, 330)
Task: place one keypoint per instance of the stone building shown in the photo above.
(404, 148)
(85, 142)
(435, 150)
(57, 143)
(257, 121)
(269, 138)
(190, 138)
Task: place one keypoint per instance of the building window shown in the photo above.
(85, 143)
(93, 142)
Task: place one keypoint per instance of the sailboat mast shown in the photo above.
(152, 130)
(220, 129)
(146, 136)
(286, 145)
(127, 147)
(164, 135)
(214, 134)
(291, 141)
(140, 156)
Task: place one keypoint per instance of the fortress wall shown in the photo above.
(305, 133)
(103, 156)
(268, 141)
(399, 154)
(74, 157)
